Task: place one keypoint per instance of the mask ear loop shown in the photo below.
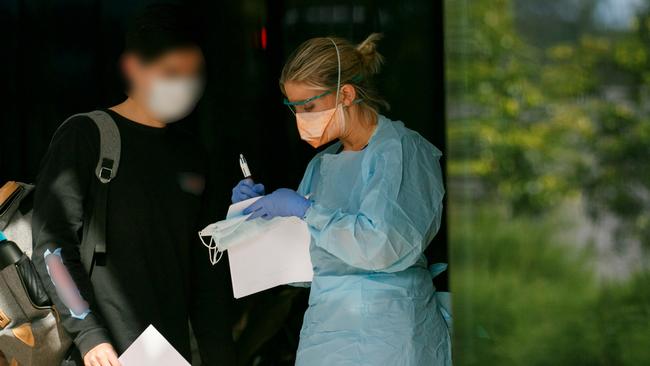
(213, 249)
(217, 254)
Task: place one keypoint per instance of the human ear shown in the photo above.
(131, 70)
(128, 63)
(349, 94)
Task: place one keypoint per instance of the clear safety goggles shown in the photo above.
(292, 105)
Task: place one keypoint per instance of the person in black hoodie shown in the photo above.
(155, 271)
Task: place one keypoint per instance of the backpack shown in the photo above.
(30, 331)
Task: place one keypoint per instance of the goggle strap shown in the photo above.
(303, 102)
(338, 59)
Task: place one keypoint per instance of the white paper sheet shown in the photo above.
(150, 349)
(278, 256)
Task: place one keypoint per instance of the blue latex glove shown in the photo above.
(246, 189)
(284, 202)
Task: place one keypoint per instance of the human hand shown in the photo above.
(246, 189)
(284, 202)
(102, 354)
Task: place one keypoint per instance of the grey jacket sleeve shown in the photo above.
(62, 186)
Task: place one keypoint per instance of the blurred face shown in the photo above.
(169, 86)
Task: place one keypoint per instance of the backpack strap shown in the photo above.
(109, 144)
(93, 243)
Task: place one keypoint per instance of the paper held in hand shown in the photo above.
(150, 349)
(276, 255)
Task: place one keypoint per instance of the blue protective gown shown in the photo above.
(372, 299)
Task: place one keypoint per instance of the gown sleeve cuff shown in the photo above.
(317, 216)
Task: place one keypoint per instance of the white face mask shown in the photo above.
(225, 234)
(172, 99)
(216, 232)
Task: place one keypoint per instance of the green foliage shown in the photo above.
(539, 112)
(536, 120)
(624, 316)
(523, 297)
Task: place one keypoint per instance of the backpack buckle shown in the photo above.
(106, 170)
(105, 173)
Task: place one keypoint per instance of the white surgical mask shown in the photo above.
(225, 234)
(216, 232)
(172, 99)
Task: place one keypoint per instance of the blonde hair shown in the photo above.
(315, 63)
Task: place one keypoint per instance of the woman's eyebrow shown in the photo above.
(301, 100)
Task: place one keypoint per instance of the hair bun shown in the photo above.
(372, 60)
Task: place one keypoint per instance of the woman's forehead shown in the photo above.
(297, 91)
